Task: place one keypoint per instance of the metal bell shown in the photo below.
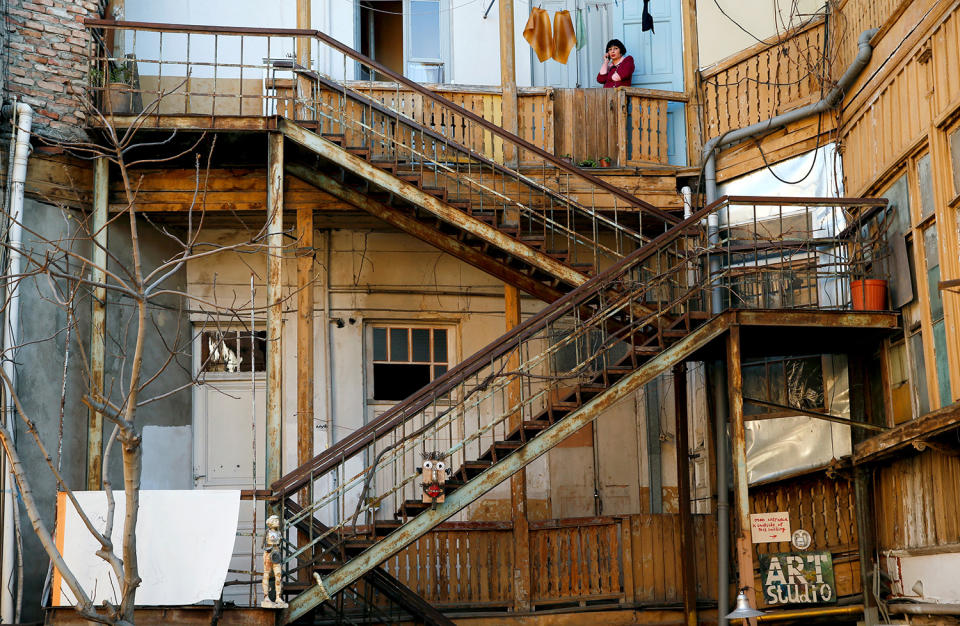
(743, 608)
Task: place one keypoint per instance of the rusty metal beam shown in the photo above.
(807, 413)
(688, 571)
(274, 460)
(741, 496)
(830, 319)
(421, 231)
(98, 319)
(445, 212)
(422, 523)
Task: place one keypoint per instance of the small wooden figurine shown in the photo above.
(434, 473)
(271, 564)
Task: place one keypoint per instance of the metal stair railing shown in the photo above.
(507, 179)
(549, 366)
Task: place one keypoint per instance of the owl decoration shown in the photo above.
(433, 473)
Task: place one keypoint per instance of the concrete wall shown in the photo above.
(39, 380)
(165, 424)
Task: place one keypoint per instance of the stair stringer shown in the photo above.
(423, 232)
(484, 482)
(341, 157)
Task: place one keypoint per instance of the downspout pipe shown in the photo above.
(830, 101)
(833, 98)
(11, 331)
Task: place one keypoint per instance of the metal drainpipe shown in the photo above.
(11, 329)
(833, 98)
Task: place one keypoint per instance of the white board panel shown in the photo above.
(184, 543)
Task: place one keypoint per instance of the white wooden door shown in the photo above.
(228, 423)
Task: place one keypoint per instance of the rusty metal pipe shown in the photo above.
(833, 98)
(924, 608)
(853, 609)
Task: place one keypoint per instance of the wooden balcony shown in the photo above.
(241, 79)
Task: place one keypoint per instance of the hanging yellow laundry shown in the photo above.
(564, 37)
(537, 33)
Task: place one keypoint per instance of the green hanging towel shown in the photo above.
(581, 30)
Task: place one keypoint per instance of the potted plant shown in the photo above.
(868, 287)
(606, 162)
(567, 158)
(587, 163)
(114, 85)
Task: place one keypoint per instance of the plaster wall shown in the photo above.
(721, 36)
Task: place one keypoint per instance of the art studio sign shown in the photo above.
(797, 578)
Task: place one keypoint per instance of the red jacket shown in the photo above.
(624, 69)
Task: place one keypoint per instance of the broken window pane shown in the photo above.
(233, 351)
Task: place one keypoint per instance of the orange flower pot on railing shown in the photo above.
(869, 294)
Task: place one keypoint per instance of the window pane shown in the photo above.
(439, 370)
(918, 374)
(943, 367)
(425, 29)
(926, 186)
(397, 381)
(932, 259)
(379, 344)
(398, 345)
(955, 154)
(420, 343)
(754, 386)
(899, 197)
(440, 345)
(232, 351)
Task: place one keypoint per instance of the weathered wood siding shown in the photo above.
(825, 508)
(917, 500)
(625, 560)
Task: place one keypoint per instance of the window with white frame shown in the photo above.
(407, 357)
(426, 40)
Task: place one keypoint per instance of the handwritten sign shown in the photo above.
(797, 578)
(770, 527)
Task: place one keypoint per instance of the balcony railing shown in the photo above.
(211, 74)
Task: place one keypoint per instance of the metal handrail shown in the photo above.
(361, 58)
(357, 440)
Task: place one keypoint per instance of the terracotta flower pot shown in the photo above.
(869, 294)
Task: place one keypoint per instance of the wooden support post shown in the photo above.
(508, 86)
(305, 367)
(304, 84)
(274, 451)
(98, 321)
(518, 481)
(741, 498)
(687, 544)
(861, 410)
(691, 81)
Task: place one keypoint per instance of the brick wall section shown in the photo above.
(47, 49)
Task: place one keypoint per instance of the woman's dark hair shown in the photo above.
(617, 43)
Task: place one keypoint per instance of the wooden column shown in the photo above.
(305, 369)
(98, 320)
(687, 545)
(691, 80)
(274, 451)
(508, 77)
(518, 482)
(741, 499)
(304, 86)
